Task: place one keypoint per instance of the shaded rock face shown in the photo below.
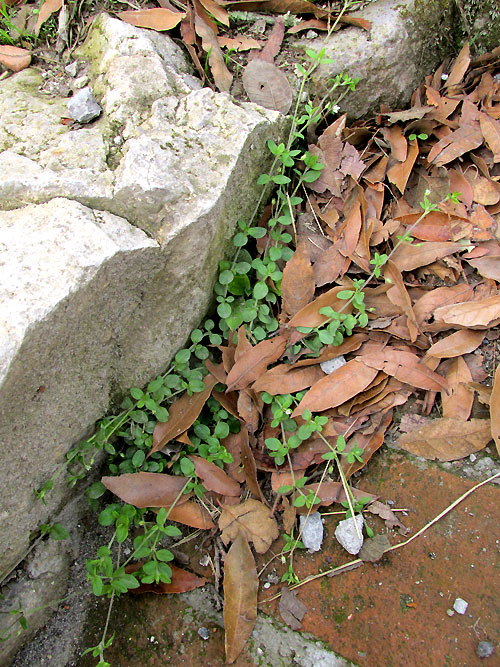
(387, 59)
(110, 236)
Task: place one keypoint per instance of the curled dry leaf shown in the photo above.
(222, 76)
(252, 519)
(214, 478)
(266, 85)
(156, 19)
(183, 414)
(447, 439)
(254, 362)
(147, 489)
(14, 58)
(241, 585)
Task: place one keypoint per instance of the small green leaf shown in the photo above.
(224, 278)
(58, 532)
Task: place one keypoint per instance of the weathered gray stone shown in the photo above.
(83, 106)
(387, 59)
(92, 304)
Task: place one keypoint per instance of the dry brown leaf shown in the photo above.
(309, 316)
(415, 113)
(480, 314)
(442, 296)
(278, 7)
(397, 140)
(459, 68)
(485, 191)
(182, 581)
(241, 585)
(155, 19)
(190, 514)
(214, 478)
(488, 267)
(273, 44)
(289, 515)
(222, 76)
(491, 133)
(400, 172)
(248, 410)
(385, 513)
(216, 10)
(410, 256)
(454, 145)
(312, 24)
(147, 489)
(254, 362)
(46, 10)
(285, 379)
(297, 285)
(182, 414)
(456, 344)
(370, 442)
(14, 58)
(252, 519)
(447, 439)
(457, 404)
(336, 388)
(238, 43)
(405, 367)
(266, 85)
(495, 410)
(292, 610)
(400, 297)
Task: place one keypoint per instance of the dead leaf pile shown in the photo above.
(433, 314)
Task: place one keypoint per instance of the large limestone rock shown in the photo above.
(388, 59)
(110, 237)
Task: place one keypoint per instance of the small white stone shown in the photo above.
(81, 82)
(450, 612)
(310, 34)
(72, 68)
(347, 535)
(312, 531)
(472, 458)
(460, 606)
(332, 364)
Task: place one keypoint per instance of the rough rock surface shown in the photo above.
(110, 239)
(386, 59)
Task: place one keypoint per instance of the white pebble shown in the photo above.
(332, 364)
(460, 606)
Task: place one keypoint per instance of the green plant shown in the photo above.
(55, 531)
